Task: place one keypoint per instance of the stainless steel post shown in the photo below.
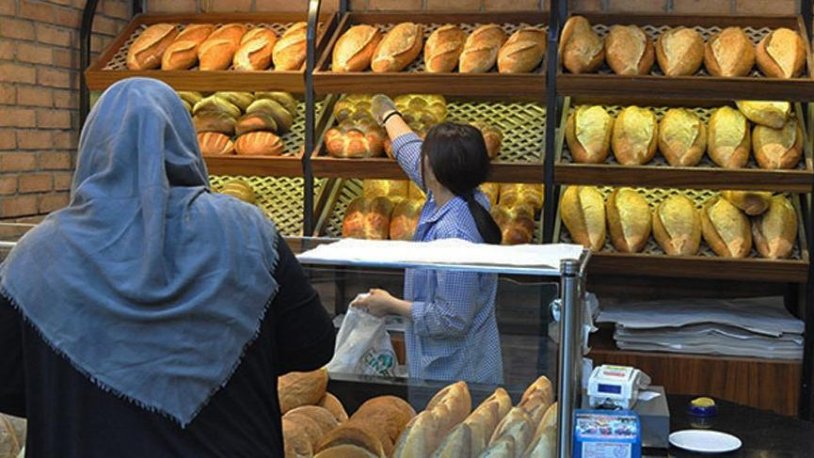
(570, 360)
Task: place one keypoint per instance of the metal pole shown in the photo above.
(310, 116)
(568, 384)
(85, 33)
(550, 204)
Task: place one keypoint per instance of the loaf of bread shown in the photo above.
(581, 49)
(628, 220)
(523, 51)
(588, 134)
(470, 437)
(421, 437)
(297, 389)
(299, 435)
(544, 443)
(728, 139)
(455, 401)
(752, 203)
(215, 144)
(399, 48)
(481, 48)
(729, 53)
(680, 51)
(537, 398)
(404, 220)
(767, 113)
(515, 194)
(517, 425)
(190, 97)
(502, 448)
(350, 435)
(255, 50)
(354, 49)
(259, 143)
(395, 190)
(345, 451)
(13, 432)
(781, 54)
(318, 415)
(778, 148)
(182, 54)
(242, 100)
(389, 413)
(516, 223)
(677, 226)
(145, 53)
(217, 104)
(353, 106)
(628, 50)
(682, 137)
(368, 218)
(775, 232)
(239, 189)
(443, 48)
(217, 52)
(334, 405)
(635, 136)
(359, 139)
(492, 137)
(726, 229)
(282, 117)
(255, 121)
(428, 109)
(289, 51)
(492, 191)
(285, 99)
(214, 121)
(582, 209)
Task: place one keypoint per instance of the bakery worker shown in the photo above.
(152, 317)
(452, 330)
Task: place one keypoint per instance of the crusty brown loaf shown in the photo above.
(729, 53)
(588, 134)
(145, 53)
(514, 194)
(781, 54)
(298, 441)
(390, 413)
(775, 232)
(517, 425)
(481, 49)
(492, 137)
(214, 121)
(628, 50)
(582, 209)
(395, 190)
(217, 51)
(581, 49)
(728, 138)
(680, 51)
(255, 50)
(348, 434)
(368, 218)
(334, 405)
(752, 203)
(301, 388)
(778, 148)
(399, 48)
(319, 415)
(443, 48)
(354, 49)
(345, 451)
(255, 121)
(523, 51)
(726, 229)
(677, 226)
(516, 223)
(629, 220)
(635, 136)
(350, 139)
(215, 144)
(183, 52)
(682, 137)
(421, 436)
(457, 400)
(404, 220)
(289, 51)
(769, 113)
(259, 143)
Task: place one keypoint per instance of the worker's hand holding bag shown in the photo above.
(363, 346)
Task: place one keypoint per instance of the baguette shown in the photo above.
(517, 425)
(772, 114)
(728, 139)
(523, 51)
(481, 49)
(680, 51)
(629, 220)
(443, 48)
(778, 148)
(752, 203)
(682, 137)
(398, 49)
(729, 53)
(628, 50)
(355, 48)
(775, 232)
(583, 213)
(289, 51)
(781, 54)
(726, 229)
(581, 49)
(635, 136)
(182, 54)
(146, 52)
(677, 226)
(255, 50)
(588, 134)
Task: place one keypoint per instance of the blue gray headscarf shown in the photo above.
(148, 283)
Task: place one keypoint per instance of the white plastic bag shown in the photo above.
(363, 346)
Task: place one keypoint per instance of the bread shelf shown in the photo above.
(111, 66)
(414, 80)
(652, 261)
(658, 173)
(605, 82)
(520, 159)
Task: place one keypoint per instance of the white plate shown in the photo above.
(705, 441)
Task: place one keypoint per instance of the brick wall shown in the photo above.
(39, 98)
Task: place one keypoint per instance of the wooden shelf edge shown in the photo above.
(193, 80)
(254, 166)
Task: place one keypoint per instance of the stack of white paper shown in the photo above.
(758, 327)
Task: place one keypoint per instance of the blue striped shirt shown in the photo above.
(452, 334)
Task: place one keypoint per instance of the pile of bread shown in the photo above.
(514, 208)
(769, 130)
(256, 121)
(387, 209)
(731, 223)
(364, 46)
(12, 436)
(236, 46)
(315, 423)
(358, 135)
(680, 51)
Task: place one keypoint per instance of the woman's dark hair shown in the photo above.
(458, 159)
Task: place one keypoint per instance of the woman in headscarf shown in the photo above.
(152, 317)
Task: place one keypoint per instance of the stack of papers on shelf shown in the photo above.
(756, 327)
